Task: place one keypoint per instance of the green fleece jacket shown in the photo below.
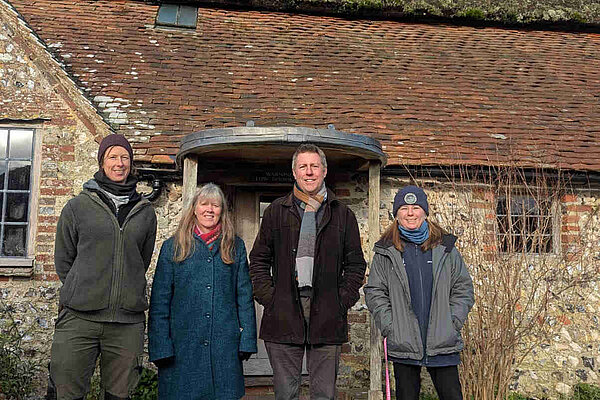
(103, 266)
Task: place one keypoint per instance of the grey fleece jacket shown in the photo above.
(387, 294)
(103, 266)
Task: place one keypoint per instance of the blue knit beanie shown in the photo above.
(411, 195)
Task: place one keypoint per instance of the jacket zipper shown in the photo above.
(295, 213)
(435, 280)
(117, 273)
(422, 300)
(120, 250)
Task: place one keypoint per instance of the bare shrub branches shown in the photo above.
(526, 257)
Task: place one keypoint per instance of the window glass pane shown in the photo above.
(187, 16)
(15, 240)
(264, 201)
(501, 208)
(20, 143)
(18, 175)
(17, 205)
(3, 141)
(524, 224)
(2, 174)
(167, 14)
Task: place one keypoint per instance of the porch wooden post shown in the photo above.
(190, 178)
(375, 392)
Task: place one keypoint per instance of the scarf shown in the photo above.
(209, 238)
(305, 256)
(126, 188)
(416, 236)
(118, 201)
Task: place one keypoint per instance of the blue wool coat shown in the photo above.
(202, 314)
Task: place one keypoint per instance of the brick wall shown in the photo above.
(35, 93)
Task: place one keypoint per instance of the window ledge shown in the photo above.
(16, 267)
(178, 28)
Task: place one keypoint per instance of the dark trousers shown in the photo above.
(78, 343)
(445, 380)
(286, 361)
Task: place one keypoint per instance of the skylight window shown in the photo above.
(177, 15)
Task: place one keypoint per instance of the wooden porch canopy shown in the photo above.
(243, 148)
(275, 145)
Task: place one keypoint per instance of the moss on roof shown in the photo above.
(496, 11)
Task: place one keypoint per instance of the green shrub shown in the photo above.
(427, 396)
(473, 13)
(585, 391)
(147, 388)
(17, 369)
(95, 392)
(516, 396)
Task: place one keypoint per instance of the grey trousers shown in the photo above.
(286, 361)
(77, 344)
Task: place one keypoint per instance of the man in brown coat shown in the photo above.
(306, 266)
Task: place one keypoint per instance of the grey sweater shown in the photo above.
(103, 266)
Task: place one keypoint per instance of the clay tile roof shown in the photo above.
(432, 94)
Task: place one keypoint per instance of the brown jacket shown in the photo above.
(338, 273)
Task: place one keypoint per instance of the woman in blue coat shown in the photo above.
(202, 323)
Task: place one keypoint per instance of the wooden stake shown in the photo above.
(375, 392)
(190, 178)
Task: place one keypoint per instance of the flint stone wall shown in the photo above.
(571, 356)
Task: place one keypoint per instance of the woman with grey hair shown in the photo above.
(202, 320)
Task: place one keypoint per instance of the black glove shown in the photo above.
(244, 355)
(164, 362)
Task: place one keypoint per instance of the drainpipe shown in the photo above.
(157, 186)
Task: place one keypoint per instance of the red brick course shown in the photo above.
(46, 277)
(55, 191)
(570, 219)
(569, 198)
(580, 208)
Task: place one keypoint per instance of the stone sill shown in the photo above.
(22, 267)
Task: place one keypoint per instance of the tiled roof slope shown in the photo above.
(432, 94)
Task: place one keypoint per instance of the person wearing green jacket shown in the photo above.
(104, 243)
(420, 293)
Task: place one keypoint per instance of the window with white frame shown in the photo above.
(525, 224)
(16, 166)
(177, 15)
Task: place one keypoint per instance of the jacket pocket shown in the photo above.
(403, 342)
(447, 336)
(270, 303)
(341, 308)
(133, 290)
(456, 323)
(68, 289)
(61, 316)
